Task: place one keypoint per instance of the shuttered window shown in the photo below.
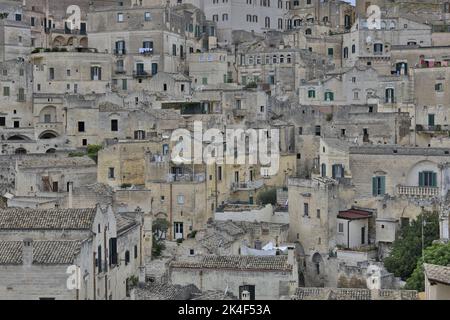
(378, 185)
(427, 179)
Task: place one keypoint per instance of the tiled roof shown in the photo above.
(248, 263)
(44, 252)
(214, 241)
(353, 214)
(352, 294)
(123, 222)
(214, 295)
(55, 252)
(46, 219)
(10, 252)
(437, 273)
(46, 162)
(229, 227)
(165, 291)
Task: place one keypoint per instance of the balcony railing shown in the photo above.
(199, 177)
(120, 70)
(416, 191)
(248, 185)
(141, 74)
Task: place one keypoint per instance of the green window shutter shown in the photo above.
(434, 179)
(383, 185)
(374, 186)
(421, 179)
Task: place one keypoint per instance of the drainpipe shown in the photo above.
(348, 234)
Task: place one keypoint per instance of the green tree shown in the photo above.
(407, 249)
(268, 196)
(437, 253)
(159, 229)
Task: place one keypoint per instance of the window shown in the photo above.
(311, 93)
(378, 48)
(267, 22)
(112, 251)
(353, 48)
(329, 96)
(21, 95)
(111, 173)
(135, 251)
(120, 17)
(355, 95)
(6, 91)
(182, 88)
(308, 31)
(147, 16)
(120, 47)
(33, 21)
(96, 73)
(225, 17)
(174, 49)
(438, 87)
(340, 227)
(81, 126)
(51, 73)
(16, 124)
(219, 173)
(389, 95)
(300, 130)
(317, 130)
(427, 179)
(127, 257)
(139, 135)
(345, 53)
(204, 80)
(305, 210)
(378, 185)
(2, 121)
(165, 87)
(216, 17)
(18, 17)
(84, 142)
(99, 259)
(431, 119)
(124, 84)
(318, 213)
(180, 199)
(114, 125)
(330, 52)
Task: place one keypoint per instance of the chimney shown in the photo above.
(70, 200)
(27, 252)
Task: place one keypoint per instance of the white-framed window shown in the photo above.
(119, 17)
(180, 199)
(147, 16)
(340, 227)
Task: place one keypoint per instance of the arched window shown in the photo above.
(255, 18)
(390, 95)
(225, 17)
(280, 4)
(281, 58)
(258, 59)
(297, 22)
(308, 31)
(274, 59)
(280, 23)
(288, 58)
(250, 60)
(353, 48)
(317, 260)
(267, 22)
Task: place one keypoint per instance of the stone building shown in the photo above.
(103, 248)
(258, 277)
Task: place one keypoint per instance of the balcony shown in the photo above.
(416, 191)
(146, 51)
(240, 112)
(141, 74)
(187, 177)
(435, 128)
(120, 70)
(248, 185)
(119, 52)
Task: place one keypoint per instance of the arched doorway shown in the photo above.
(20, 151)
(48, 135)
